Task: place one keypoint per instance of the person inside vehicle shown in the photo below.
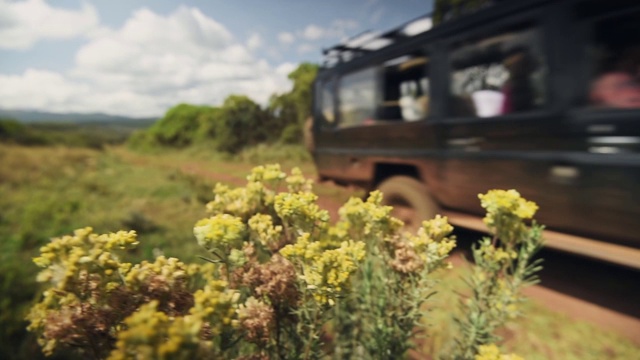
(517, 90)
(616, 89)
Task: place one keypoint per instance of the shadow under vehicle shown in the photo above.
(534, 95)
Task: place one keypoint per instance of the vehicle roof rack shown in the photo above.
(370, 41)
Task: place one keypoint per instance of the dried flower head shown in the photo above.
(275, 280)
(256, 319)
(405, 259)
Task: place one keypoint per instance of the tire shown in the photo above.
(410, 199)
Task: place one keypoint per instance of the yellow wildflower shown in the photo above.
(507, 201)
(270, 174)
(371, 216)
(296, 182)
(326, 273)
(300, 211)
(491, 352)
(264, 231)
(220, 231)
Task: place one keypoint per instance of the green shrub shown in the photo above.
(180, 125)
(243, 124)
(11, 129)
(277, 153)
(292, 134)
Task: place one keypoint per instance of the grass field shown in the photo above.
(50, 191)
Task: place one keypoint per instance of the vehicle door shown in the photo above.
(504, 125)
(607, 120)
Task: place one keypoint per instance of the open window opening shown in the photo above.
(405, 87)
(498, 75)
(357, 94)
(613, 50)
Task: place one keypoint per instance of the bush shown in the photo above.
(242, 124)
(278, 276)
(292, 134)
(11, 129)
(181, 125)
(280, 153)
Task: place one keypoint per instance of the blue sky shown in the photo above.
(138, 58)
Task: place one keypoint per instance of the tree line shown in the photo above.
(239, 122)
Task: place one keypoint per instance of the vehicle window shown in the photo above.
(326, 101)
(614, 52)
(357, 96)
(405, 88)
(498, 75)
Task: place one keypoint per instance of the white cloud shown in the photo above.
(313, 32)
(149, 64)
(45, 88)
(339, 29)
(286, 37)
(341, 25)
(306, 48)
(23, 23)
(286, 68)
(254, 42)
(376, 16)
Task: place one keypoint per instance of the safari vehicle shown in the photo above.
(539, 96)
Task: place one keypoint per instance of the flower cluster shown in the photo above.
(63, 258)
(239, 202)
(296, 182)
(369, 219)
(274, 280)
(504, 264)
(150, 333)
(493, 256)
(300, 211)
(506, 201)
(325, 272)
(220, 232)
(271, 175)
(257, 195)
(264, 232)
(92, 293)
(427, 248)
(215, 303)
(165, 280)
(279, 251)
(287, 271)
(257, 319)
(143, 330)
(506, 212)
(491, 352)
(83, 299)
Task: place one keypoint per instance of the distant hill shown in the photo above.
(27, 116)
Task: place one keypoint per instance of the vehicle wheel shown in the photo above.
(410, 199)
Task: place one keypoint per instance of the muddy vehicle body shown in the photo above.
(507, 97)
